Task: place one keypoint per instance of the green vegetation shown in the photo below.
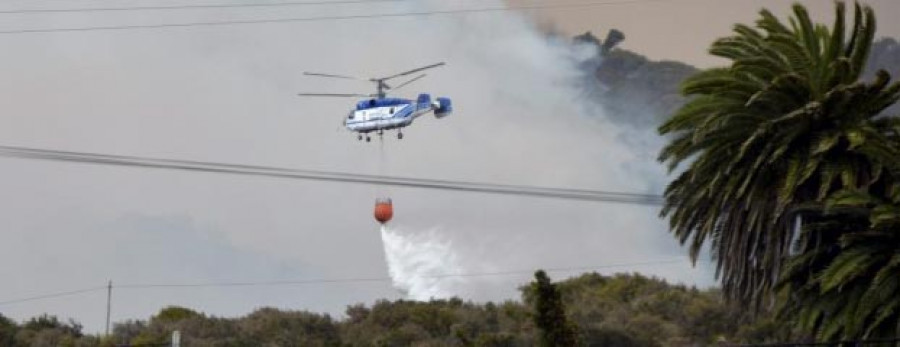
(589, 310)
(44, 331)
(849, 286)
(791, 176)
(550, 314)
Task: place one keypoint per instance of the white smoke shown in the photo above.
(422, 266)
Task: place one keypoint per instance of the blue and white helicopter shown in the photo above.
(380, 113)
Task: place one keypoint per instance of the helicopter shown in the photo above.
(379, 112)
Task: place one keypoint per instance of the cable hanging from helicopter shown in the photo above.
(384, 207)
(379, 112)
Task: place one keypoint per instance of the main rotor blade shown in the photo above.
(410, 81)
(410, 72)
(337, 95)
(332, 76)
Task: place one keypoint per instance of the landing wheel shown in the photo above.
(359, 137)
(399, 135)
(368, 138)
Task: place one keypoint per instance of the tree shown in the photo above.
(850, 289)
(787, 123)
(175, 314)
(47, 330)
(550, 314)
(8, 329)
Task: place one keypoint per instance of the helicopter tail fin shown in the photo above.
(443, 107)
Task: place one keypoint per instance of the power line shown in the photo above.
(53, 295)
(194, 7)
(330, 280)
(340, 177)
(326, 18)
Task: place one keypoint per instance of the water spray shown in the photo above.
(421, 265)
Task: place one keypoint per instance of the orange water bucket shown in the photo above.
(384, 210)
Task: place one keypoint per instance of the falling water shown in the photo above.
(421, 265)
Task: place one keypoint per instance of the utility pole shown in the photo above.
(108, 304)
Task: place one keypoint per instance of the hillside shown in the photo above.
(886, 55)
(641, 92)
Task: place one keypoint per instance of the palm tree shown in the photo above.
(849, 287)
(788, 122)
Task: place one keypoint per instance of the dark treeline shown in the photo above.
(619, 310)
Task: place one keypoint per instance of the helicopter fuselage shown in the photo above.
(383, 117)
(392, 113)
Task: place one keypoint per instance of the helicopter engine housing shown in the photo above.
(443, 107)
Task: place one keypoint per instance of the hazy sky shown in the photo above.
(683, 29)
(227, 94)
